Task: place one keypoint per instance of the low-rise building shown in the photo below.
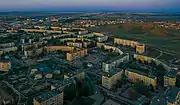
(53, 97)
(75, 44)
(5, 65)
(111, 64)
(170, 78)
(135, 75)
(110, 78)
(90, 35)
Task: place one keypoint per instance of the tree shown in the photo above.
(70, 92)
(141, 88)
(124, 78)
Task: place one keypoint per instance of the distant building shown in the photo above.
(109, 79)
(53, 97)
(90, 35)
(140, 48)
(102, 38)
(75, 44)
(170, 78)
(125, 42)
(111, 64)
(135, 75)
(5, 65)
(74, 74)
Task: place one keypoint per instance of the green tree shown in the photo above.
(70, 92)
(124, 78)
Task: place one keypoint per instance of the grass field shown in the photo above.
(145, 33)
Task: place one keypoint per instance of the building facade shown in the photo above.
(135, 75)
(109, 79)
(5, 66)
(125, 42)
(140, 49)
(76, 54)
(53, 97)
(170, 79)
(109, 65)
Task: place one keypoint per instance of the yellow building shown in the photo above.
(56, 48)
(109, 79)
(143, 58)
(5, 66)
(76, 54)
(53, 97)
(125, 42)
(134, 75)
(170, 79)
(140, 49)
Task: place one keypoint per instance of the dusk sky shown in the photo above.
(94, 5)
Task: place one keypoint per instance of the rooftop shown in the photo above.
(47, 95)
(110, 74)
(116, 58)
(172, 74)
(150, 75)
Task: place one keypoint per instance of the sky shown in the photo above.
(91, 5)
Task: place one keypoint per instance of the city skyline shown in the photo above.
(91, 5)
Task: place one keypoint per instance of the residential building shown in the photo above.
(90, 35)
(53, 97)
(75, 44)
(140, 48)
(110, 78)
(8, 49)
(5, 65)
(74, 74)
(136, 75)
(102, 38)
(170, 78)
(76, 54)
(125, 42)
(113, 63)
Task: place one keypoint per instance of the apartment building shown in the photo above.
(135, 75)
(110, 78)
(76, 54)
(53, 97)
(170, 78)
(5, 65)
(140, 48)
(113, 63)
(125, 42)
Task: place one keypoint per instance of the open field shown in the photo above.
(146, 33)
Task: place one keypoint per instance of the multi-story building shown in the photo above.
(108, 47)
(170, 78)
(76, 54)
(143, 58)
(102, 38)
(4, 45)
(110, 78)
(125, 42)
(111, 64)
(74, 74)
(140, 48)
(5, 65)
(135, 75)
(8, 49)
(90, 35)
(75, 44)
(53, 97)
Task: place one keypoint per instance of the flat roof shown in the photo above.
(47, 95)
(150, 75)
(110, 74)
(115, 58)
